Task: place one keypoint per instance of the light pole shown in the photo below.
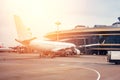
(57, 34)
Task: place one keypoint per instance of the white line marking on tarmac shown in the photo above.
(98, 78)
(98, 73)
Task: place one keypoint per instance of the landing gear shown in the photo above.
(47, 54)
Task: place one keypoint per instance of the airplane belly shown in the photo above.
(40, 46)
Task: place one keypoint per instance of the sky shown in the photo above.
(41, 15)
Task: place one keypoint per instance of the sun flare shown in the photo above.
(37, 14)
(41, 15)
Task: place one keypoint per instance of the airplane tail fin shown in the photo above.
(24, 33)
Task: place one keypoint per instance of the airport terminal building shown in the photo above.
(96, 40)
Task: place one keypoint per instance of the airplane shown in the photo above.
(45, 48)
(5, 49)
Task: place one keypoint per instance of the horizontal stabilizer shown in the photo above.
(25, 42)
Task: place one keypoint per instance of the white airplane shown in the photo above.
(6, 49)
(49, 48)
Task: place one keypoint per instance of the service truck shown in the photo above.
(113, 57)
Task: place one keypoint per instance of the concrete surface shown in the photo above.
(15, 66)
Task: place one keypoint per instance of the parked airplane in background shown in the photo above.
(49, 48)
(5, 49)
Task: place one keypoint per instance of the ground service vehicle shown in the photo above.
(114, 57)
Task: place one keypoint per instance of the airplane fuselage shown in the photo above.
(51, 47)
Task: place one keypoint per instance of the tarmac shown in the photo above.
(14, 66)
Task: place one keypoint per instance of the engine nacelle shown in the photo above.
(77, 51)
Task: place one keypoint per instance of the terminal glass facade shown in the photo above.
(112, 39)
